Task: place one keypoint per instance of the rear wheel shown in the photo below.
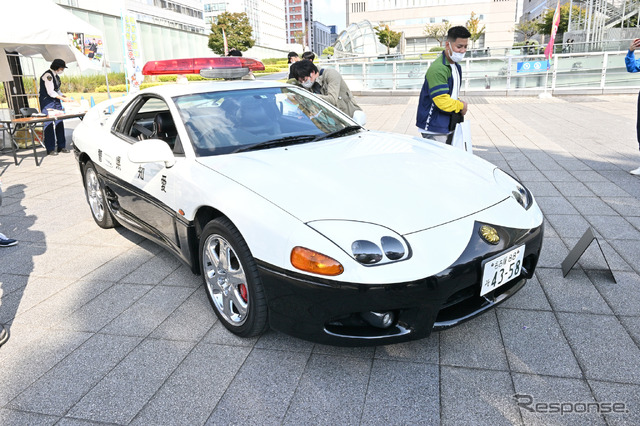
(96, 198)
(231, 279)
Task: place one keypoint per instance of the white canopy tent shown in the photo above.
(41, 27)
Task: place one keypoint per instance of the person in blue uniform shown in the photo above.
(633, 65)
(5, 242)
(51, 98)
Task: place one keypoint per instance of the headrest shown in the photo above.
(164, 122)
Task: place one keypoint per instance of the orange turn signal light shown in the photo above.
(312, 261)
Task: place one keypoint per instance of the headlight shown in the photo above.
(517, 190)
(367, 243)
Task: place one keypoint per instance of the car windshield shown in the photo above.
(241, 120)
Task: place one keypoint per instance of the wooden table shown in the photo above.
(30, 123)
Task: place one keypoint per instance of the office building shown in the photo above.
(334, 34)
(167, 29)
(321, 37)
(411, 17)
(267, 18)
(299, 22)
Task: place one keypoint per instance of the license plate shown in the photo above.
(501, 270)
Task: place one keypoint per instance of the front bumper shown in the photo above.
(330, 312)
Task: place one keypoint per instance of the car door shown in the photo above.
(143, 193)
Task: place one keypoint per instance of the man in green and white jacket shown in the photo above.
(440, 94)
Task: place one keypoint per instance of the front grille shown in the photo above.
(467, 302)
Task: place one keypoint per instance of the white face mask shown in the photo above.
(456, 56)
(59, 72)
(307, 84)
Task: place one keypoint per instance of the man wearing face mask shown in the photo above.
(439, 98)
(51, 98)
(329, 85)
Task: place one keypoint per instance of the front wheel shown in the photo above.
(231, 279)
(96, 198)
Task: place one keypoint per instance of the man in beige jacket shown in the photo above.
(329, 85)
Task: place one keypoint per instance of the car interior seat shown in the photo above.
(255, 116)
(164, 128)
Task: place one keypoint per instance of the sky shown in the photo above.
(330, 12)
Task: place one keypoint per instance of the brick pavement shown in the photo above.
(108, 328)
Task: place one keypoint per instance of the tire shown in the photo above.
(231, 279)
(95, 197)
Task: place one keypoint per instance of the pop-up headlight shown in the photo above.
(368, 243)
(517, 190)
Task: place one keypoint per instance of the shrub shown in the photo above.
(436, 49)
(272, 61)
(145, 85)
(88, 83)
(268, 70)
(123, 87)
(112, 88)
(79, 84)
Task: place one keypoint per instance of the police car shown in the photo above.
(299, 219)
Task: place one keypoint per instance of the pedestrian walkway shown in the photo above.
(108, 328)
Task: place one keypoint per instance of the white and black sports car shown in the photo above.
(299, 219)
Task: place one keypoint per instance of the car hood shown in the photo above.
(404, 183)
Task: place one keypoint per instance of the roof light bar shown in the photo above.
(195, 65)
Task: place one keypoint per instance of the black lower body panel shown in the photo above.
(338, 313)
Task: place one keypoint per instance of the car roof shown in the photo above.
(171, 90)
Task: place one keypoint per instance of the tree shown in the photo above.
(328, 51)
(473, 25)
(437, 31)
(301, 38)
(527, 28)
(237, 29)
(387, 36)
(546, 22)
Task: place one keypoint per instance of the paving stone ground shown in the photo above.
(108, 328)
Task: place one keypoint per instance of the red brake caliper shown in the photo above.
(243, 291)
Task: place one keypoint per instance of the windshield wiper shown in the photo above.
(287, 140)
(337, 133)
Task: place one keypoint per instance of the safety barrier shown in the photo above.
(568, 73)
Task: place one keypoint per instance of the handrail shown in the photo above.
(593, 46)
(589, 72)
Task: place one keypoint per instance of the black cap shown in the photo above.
(57, 64)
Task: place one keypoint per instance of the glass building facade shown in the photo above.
(167, 29)
(358, 39)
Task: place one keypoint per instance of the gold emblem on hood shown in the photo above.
(489, 234)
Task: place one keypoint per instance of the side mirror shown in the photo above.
(151, 151)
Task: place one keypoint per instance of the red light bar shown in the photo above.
(194, 65)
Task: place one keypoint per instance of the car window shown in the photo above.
(153, 105)
(149, 118)
(222, 122)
